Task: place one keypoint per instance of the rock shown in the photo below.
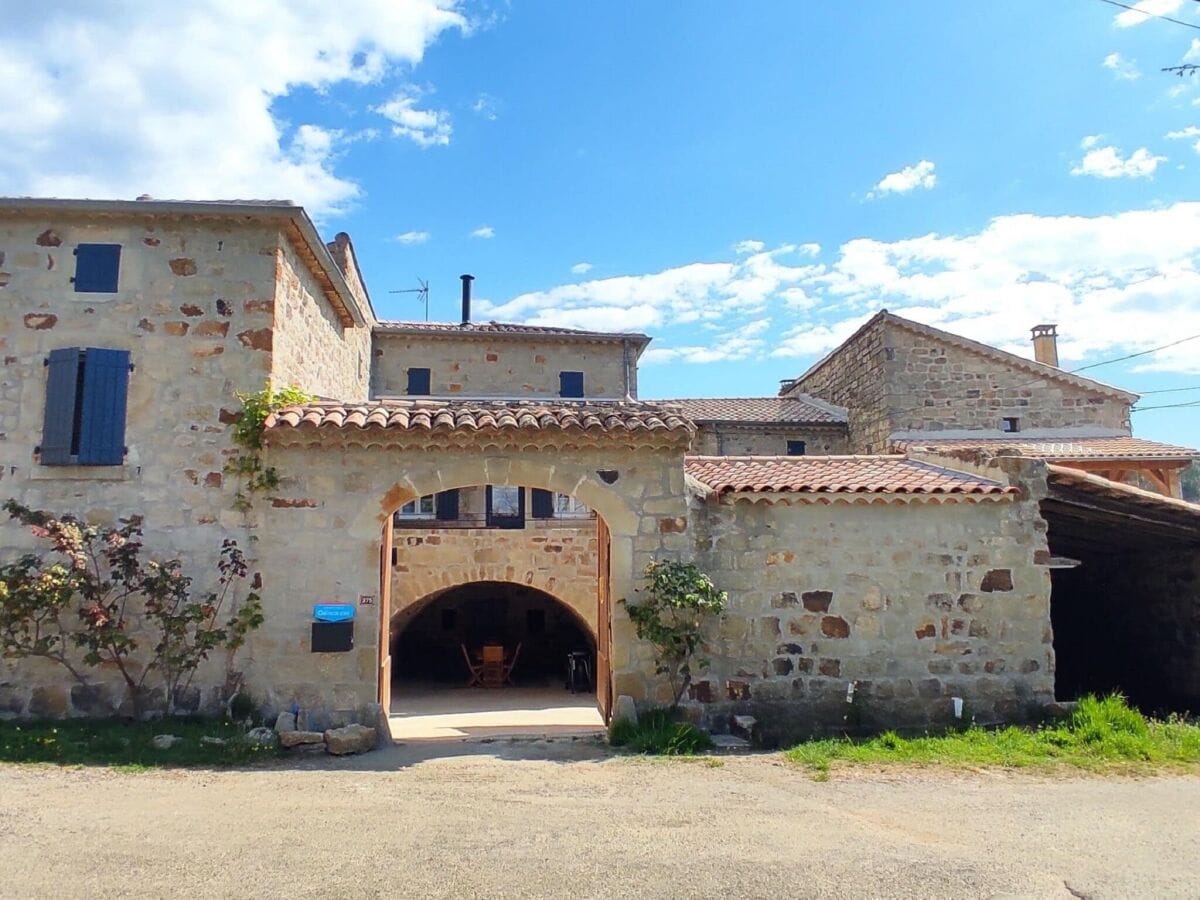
(165, 741)
(91, 700)
(285, 721)
(729, 743)
(351, 739)
(213, 741)
(261, 736)
(299, 738)
(625, 710)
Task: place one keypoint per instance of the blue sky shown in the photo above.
(745, 182)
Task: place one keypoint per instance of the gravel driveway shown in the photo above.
(564, 819)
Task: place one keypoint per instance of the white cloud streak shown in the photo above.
(176, 100)
(413, 237)
(581, 268)
(1144, 11)
(1124, 69)
(424, 127)
(486, 232)
(1115, 284)
(910, 178)
(1107, 162)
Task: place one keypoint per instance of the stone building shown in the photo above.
(460, 483)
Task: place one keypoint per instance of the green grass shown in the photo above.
(659, 733)
(126, 744)
(1102, 734)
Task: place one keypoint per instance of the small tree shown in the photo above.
(677, 602)
(101, 578)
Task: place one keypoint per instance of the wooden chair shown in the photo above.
(493, 666)
(476, 669)
(511, 664)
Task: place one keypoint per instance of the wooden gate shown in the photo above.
(385, 617)
(603, 622)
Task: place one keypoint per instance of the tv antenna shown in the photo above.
(422, 293)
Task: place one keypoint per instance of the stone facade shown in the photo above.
(896, 377)
(556, 557)
(720, 439)
(913, 603)
(501, 366)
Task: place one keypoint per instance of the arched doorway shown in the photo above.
(516, 569)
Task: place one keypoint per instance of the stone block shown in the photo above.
(835, 627)
(289, 739)
(350, 739)
(625, 710)
(284, 722)
(817, 601)
(48, 702)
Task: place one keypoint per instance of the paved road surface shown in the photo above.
(488, 821)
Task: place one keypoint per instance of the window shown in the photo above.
(421, 508)
(505, 506)
(418, 382)
(97, 267)
(1010, 425)
(796, 448)
(553, 505)
(570, 384)
(86, 394)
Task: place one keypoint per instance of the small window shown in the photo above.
(505, 506)
(1010, 425)
(86, 395)
(796, 448)
(567, 506)
(421, 508)
(97, 268)
(418, 382)
(570, 384)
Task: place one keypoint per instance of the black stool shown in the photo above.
(579, 672)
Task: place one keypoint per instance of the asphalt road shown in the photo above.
(494, 820)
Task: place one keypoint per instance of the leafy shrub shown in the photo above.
(658, 733)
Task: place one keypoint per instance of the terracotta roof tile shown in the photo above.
(834, 475)
(485, 415)
(1065, 448)
(800, 409)
(506, 329)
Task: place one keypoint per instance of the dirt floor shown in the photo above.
(565, 819)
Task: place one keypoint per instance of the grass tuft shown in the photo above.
(1103, 733)
(127, 744)
(659, 733)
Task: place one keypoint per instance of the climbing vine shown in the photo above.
(255, 477)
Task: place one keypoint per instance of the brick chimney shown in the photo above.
(1045, 344)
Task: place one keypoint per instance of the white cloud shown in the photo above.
(748, 247)
(906, 180)
(177, 100)
(581, 268)
(484, 231)
(413, 237)
(424, 127)
(1114, 284)
(1193, 51)
(1144, 10)
(485, 106)
(1107, 162)
(1122, 68)
(1185, 134)
(1091, 141)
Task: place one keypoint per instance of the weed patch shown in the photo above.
(659, 733)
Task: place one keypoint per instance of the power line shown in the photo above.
(1153, 15)
(1139, 353)
(1166, 406)
(1168, 391)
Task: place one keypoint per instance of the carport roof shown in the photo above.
(1095, 501)
(1077, 449)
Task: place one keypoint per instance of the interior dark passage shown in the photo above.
(430, 646)
(1125, 607)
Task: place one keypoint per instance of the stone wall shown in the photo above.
(935, 385)
(913, 603)
(729, 440)
(557, 557)
(854, 377)
(499, 367)
(312, 349)
(192, 298)
(320, 539)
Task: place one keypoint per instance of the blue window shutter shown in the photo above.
(446, 506)
(97, 268)
(102, 425)
(570, 384)
(58, 426)
(543, 504)
(418, 382)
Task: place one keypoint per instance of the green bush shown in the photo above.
(658, 733)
